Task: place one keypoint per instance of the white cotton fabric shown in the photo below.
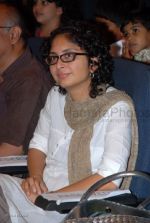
(110, 144)
(20, 208)
(119, 47)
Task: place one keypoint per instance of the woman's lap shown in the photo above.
(21, 210)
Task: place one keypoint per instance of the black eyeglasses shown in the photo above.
(66, 57)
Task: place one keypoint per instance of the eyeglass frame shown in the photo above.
(60, 57)
(6, 27)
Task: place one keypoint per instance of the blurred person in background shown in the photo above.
(111, 14)
(136, 32)
(23, 84)
(48, 14)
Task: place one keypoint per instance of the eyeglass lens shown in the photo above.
(67, 57)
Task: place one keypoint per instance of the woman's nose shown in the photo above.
(60, 63)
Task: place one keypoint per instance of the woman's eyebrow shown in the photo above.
(67, 50)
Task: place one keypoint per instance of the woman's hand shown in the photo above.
(32, 197)
(33, 187)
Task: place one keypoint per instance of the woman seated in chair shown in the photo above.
(86, 131)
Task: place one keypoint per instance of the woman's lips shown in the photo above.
(62, 75)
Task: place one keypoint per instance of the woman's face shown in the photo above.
(45, 11)
(70, 75)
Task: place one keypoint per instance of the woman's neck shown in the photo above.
(79, 95)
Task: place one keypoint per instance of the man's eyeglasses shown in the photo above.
(5, 27)
(66, 57)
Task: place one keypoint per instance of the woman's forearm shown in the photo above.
(79, 186)
(34, 184)
(36, 162)
(86, 183)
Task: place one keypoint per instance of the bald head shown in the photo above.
(10, 16)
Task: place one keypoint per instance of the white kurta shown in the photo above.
(21, 210)
(109, 147)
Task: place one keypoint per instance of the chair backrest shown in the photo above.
(134, 78)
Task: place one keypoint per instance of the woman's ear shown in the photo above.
(94, 64)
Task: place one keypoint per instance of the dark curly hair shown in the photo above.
(59, 3)
(142, 17)
(87, 36)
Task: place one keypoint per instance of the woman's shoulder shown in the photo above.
(54, 96)
(124, 100)
(54, 92)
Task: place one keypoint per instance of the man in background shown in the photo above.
(23, 85)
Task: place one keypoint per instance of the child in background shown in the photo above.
(48, 14)
(110, 17)
(112, 14)
(136, 32)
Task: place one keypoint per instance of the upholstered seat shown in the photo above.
(134, 78)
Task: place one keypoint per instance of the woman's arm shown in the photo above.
(86, 183)
(36, 162)
(34, 183)
(79, 186)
